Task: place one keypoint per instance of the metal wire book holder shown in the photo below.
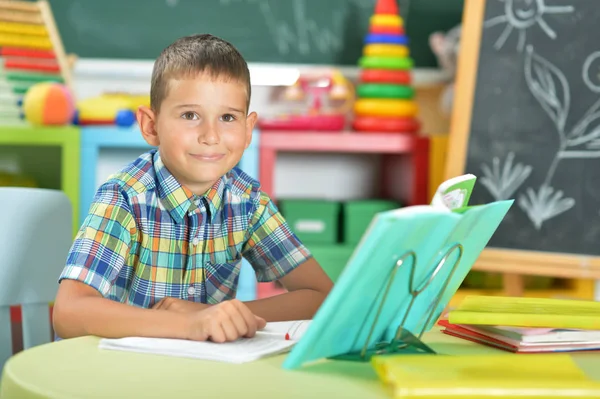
(404, 340)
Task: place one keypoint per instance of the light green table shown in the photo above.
(78, 369)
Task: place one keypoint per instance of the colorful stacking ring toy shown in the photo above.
(384, 98)
(385, 107)
(385, 50)
(385, 38)
(385, 76)
(385, 124)
(385, 91)
(385, 62)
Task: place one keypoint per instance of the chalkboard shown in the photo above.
(278, 31)
(528, 125)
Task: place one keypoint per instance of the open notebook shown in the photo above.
(274, 339)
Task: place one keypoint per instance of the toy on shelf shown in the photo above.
(31, 52)
(48, 104)
(445, 47)
(110, 109)
(385, 96)
(323, 90)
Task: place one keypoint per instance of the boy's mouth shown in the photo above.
(208, 157)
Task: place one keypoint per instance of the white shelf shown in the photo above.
(261, 74)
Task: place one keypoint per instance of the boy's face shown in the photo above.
(201, 130)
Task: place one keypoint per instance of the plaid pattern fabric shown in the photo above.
(147, 237)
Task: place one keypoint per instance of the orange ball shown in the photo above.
(49, 103)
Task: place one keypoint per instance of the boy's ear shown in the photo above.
(250, 122)
(147, 120)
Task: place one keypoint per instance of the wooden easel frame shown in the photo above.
(513, 263)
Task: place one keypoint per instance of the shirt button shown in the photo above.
(195, 241)
(191, 290)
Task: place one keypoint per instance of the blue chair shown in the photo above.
(95, 139)
(35, 237)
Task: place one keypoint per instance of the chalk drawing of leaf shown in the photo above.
(503, 182)
(587, 129)
(544, 205)
(549, 86)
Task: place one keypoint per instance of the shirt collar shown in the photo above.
(214, 197)
(177, 199)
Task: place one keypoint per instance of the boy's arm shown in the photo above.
(308, 286)
(81, 310)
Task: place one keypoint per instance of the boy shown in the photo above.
(159, 253)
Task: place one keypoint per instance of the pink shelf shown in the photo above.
(341, 142)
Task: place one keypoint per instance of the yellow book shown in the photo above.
(484, 376)
(527, 312)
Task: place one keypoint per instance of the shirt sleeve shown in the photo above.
(272, 249)
(102, 244)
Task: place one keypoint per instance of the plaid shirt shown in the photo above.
(147, 237)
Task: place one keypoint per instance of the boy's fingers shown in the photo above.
(260, 323)
(248, 319)
(216, 333)
(229, 329)
(239, 322)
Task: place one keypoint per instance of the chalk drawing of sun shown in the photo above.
(522, 14)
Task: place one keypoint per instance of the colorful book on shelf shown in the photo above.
(499, 341)
(484, 376)
(527, 312)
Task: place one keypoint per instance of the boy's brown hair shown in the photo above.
(190, 55)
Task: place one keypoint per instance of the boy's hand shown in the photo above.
(179, 305)
(226, 321)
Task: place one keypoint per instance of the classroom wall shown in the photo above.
(336, 176)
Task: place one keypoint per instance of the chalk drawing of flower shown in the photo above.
(543, 205)
(503, 181)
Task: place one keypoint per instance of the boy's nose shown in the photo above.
(209, 136)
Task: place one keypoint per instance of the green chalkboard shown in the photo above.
(278, 31)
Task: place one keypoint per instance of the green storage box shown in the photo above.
(332, 258)
(313, 221)
(358, 214)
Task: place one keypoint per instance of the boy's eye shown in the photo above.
(190, 116)
(228, 118)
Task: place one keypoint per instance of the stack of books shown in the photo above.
(526, 325)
